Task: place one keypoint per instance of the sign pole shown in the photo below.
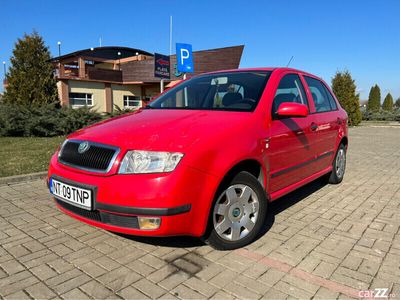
(185, 92)
(161, 85)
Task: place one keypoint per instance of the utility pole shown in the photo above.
(170, 52)
(170, 35)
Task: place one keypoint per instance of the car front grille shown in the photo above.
(96, 158)
(102, 217)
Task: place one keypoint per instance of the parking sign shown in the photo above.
(184, 58)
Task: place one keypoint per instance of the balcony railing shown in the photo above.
(93, 73)
(104, 74)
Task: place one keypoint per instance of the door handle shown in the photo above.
(339, 121)
(314, 126)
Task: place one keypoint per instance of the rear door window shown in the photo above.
(319, 95)
(332, 101)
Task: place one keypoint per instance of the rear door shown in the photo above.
(326, 118)
(292, 142)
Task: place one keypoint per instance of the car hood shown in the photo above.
(163, 129)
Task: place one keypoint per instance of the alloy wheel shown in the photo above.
(340, 163)
(236, 212)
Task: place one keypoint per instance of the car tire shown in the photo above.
(237, 214)
(338, 165)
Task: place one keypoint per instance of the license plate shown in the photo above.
(74, 195)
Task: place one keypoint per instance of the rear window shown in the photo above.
(232, 91)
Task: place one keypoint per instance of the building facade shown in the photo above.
(106, 77)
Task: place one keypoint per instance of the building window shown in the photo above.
(80, 99)
(132, 101)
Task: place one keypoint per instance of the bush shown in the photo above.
(119, 111)
(45, 121)
(3, 123)
(381, 115)
(14, 120)
(74, 119)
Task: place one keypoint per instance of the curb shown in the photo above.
(22, 178)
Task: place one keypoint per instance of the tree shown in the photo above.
(30, 77)
(344, 88)
(397, 103)
(388, 103)
(374, 99)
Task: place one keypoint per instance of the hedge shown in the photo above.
(382, 115)
(46, 121)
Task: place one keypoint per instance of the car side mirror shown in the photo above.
(292, 109)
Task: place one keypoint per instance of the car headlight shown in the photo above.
(138, 162)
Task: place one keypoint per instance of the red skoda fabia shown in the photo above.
(205, 158)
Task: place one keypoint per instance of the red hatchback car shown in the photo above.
(205, 158)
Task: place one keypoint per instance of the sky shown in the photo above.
(323, 37)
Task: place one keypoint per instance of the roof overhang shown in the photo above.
(109, 53)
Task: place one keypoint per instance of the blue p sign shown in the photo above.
(184, 58)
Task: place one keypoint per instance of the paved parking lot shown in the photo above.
(322, 241)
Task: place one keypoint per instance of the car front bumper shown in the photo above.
(181, 199)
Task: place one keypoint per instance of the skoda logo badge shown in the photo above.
(83, 147)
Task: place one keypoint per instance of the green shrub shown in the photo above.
(45, 121)
(119, 111)
(15, 118)
(381, 115)
(3, 121)
(74, 119)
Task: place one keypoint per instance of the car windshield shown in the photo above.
(232, 91)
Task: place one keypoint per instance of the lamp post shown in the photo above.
(60, 73)
(4, 68)
(119, 60)
(59, 48)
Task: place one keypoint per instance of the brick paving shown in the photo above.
(322, 241)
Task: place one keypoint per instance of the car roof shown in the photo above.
(276, 69)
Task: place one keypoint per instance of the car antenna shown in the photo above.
(290, 60)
